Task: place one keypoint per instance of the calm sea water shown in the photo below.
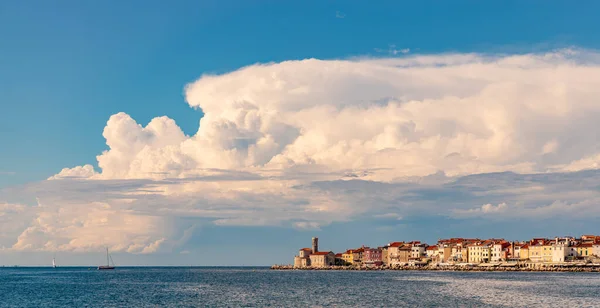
(258, 287)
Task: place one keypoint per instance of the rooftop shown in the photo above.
(396, 244)
(321, 253)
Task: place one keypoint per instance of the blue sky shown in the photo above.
(66, 67)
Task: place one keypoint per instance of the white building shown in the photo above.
(562, 250)
(431, 251)
(303, 258)
(596, 250)
(499, 252)
(417, 251)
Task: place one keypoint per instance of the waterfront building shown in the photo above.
(479, 252)
(322, 259)
(417, 250)
(444, 252)
(596, 249)
(536, 246)
(462, 254)
(560, 252)
(535, 253)
(348, 257)
(312, 257)
(431, 252)
(547, 252)
(353, 256)
(454, 249)
(404, 254)
(458, 253)
(585, 250)
(466, 244)
(398, 253)
(303, 258)
(384, 255)
(301, 262)
(499, 251)
(357, 255)
(372, 256)
(563, 249)
(523, 252)
(516, 251)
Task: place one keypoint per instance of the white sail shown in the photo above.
(108, 260)
(54, 262)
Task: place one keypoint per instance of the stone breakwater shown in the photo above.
(530, 267)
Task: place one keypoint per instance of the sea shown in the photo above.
(262, 287)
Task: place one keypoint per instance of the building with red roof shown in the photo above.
(372, 256)
(312, 257)
(500, 251)
(399, 253)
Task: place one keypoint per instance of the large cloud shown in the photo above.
(276, 138)
(462, 114)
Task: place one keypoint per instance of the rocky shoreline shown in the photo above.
(527, 267)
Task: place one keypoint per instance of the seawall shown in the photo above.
(529, 267)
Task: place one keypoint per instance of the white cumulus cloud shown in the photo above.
(306, 143)
(403, 117)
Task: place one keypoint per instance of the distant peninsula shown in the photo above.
(571, 254)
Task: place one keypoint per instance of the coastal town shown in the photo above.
(457, 253)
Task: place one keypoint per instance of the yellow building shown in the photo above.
(547, 252)
(479, 253)
(535, 253)
(584, 250)
(353, 256)
(524, 252)
(348, 257)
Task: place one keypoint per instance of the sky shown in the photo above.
(231, 132)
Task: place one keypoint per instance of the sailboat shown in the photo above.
(54, 262)
(107, 266)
